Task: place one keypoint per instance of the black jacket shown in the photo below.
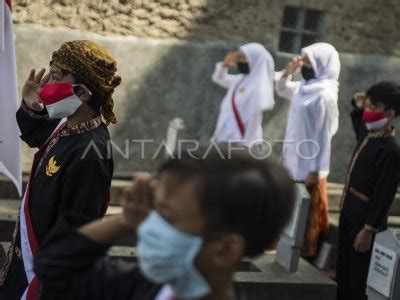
(373, 176)
(71, 266)
(71, 172)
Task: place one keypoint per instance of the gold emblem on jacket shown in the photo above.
(52, 167)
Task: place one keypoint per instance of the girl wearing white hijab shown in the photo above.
(249, 95)
(312, 122)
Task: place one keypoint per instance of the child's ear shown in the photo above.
(229, 250)
(83, 93)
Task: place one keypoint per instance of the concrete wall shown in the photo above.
(165, 79)
(366, 26)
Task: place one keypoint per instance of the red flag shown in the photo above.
(9, 2)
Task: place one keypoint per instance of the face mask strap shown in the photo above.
(93, 102)
(79, 85)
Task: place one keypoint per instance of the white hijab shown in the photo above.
(326, 64)
(259, 82)
(254, 93)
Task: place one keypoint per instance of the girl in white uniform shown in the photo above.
(312, 122)
(249, 95)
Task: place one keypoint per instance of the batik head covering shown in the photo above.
(94, 66)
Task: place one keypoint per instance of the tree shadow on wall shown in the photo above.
(173, 81)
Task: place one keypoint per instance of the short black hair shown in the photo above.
(240, 194)
(388, 93)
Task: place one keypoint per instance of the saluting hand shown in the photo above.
(32, 87)
(294, 66)
(138, 200)
(359, 99)
(230, 59)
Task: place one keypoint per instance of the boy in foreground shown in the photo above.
(194, 225)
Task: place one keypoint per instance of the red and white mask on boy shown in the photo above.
(60, 99)
(374, 119)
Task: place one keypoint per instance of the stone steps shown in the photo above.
(335, 190)
(9, 210)
(8, 191)
(261, 278)
(9, 206)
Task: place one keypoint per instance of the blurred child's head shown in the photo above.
(236, 206)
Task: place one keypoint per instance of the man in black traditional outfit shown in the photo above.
(370, 187)
(61, 114)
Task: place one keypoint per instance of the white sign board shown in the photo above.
(396, 235)
(383, 264)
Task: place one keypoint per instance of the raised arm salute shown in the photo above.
(370, 187)
(312, 122)
(194, 225)
(62, 114)
(249, 94)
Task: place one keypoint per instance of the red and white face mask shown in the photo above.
(374, 119)
(60, 99)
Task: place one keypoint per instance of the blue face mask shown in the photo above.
(166, 255)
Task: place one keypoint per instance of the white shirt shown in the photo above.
(313, 115)
(165, 293)
(253, 95)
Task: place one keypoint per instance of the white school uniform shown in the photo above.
(313, 116)
(248, 96)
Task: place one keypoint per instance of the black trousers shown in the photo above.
(352, 267)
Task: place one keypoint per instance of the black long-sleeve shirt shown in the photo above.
(360, 129)
(35, 127)
(71, 266)
(71, 172)
(81, 178)
(373, 176)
